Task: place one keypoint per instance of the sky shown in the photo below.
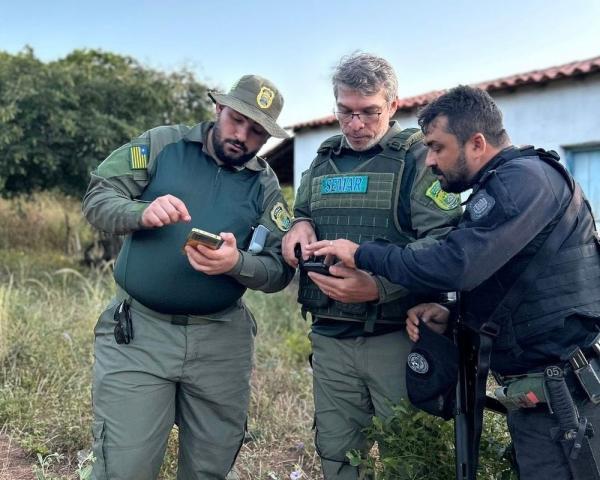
(432, 44)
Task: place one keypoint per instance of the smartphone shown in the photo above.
(197, 236)
(315, 266)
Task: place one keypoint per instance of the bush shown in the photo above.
(414, 445)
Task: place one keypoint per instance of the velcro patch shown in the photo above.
(139, 157)
(345, 184)
(480, 205)
(444, 200)
(281, 217)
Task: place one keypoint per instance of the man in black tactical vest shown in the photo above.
(176, 344)
(526, 257)
(370, 182)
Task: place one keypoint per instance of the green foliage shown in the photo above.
(43, 470)
(414, 445)
(59, 119)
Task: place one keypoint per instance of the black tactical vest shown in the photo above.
(360, 205)
(569, 283)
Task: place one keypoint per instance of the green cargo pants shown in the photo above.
(196, 376)
(353, 380)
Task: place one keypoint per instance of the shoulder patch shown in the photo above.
(138, 157)
(480, 205)
(444, 200)
(281, 217)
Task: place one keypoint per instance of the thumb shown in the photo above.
(228, 239)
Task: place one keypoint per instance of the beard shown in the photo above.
(456, 180)
(367, 146)
(219, 146)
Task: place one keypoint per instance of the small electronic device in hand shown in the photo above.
(313, 264)
(197, 236)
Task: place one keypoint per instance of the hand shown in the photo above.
(214, 262)
(344, 250)
(431, 314)
(165, 210)
(302, 233)
(347, 285)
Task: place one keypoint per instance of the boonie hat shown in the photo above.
(256, 98)
(432, 373)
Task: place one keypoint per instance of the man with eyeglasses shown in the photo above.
(370, 182)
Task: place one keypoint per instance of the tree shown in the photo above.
(59, 119)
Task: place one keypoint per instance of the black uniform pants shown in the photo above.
(538, 456)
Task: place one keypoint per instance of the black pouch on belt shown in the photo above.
(124, 326)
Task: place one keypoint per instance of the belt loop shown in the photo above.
(180, 320)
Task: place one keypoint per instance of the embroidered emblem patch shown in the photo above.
(480, 205)
(418, 363)
(281, 217)
(265, 97)
(139, 157)
(346, 184)
(444, 200)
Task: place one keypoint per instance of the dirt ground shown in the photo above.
(14, 464)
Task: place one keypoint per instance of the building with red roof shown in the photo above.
(555, 108)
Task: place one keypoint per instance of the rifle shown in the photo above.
(470, 398)
(465, 458)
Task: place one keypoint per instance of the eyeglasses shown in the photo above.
(364, 117)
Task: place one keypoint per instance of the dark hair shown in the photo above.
(468, 110)
(366, 74)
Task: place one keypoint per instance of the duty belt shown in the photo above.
(175, 319)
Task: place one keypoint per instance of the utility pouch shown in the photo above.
(587, 371)
(124, 327)
(526, 391)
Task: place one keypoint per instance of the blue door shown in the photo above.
(584, 165)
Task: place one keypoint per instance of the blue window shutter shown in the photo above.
(585, 167)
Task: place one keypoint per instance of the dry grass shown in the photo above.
(45, 220)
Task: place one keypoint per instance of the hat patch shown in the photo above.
(418, 363)
(265, 97)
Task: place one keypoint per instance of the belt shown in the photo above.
(571, 380)
(176, 319)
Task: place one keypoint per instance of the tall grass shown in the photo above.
(44, 220)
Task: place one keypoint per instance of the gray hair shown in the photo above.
(366, 74)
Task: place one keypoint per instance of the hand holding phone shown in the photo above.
(201, 237)
(313, 264)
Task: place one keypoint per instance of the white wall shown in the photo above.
(562, 113)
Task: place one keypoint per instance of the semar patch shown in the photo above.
(139, 157)
(345, 184)
(281, 217)
(444, 200)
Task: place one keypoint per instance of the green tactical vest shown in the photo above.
(360, 205)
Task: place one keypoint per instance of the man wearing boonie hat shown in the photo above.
(176, 343)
